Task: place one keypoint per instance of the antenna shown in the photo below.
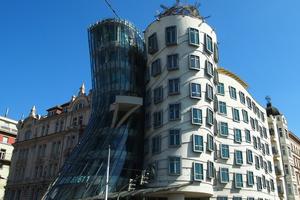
(164, 7)
(197, 4)
(269, 99)
(110, 7)
(6, 113)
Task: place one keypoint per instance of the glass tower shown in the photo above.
(117, 65)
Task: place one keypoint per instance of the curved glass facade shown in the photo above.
(117, 65)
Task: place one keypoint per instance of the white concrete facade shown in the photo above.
(160, 150)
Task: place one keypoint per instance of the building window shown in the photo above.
(198, 171)
(237, 198)
(237, 135)
(252, 123)
(156, 144)
(272, 184)
(80, 120)
(208, 44)
(152, 44)
(235, 115)
(174, 165)
(194, 62)
(158, 119)
(209, 117)
(222, 107)
(198, 143)
(195, 90)
(265, 132)
(249, 103)
(171, 35)
(2, 154)
(174, 86)
(242, 98)
(158, 94)
(172, 62)
(238, 157)
(256, 162)
(249, 156)
(209, 92)
(210, 169)
(210, 143)
(155, 68)
(174, 138)
(174, 111)
(196, 116)
(222, 198)
(221, 89)
(286, 169)
(224, 151)
(254, 142)
(209, 68)
(224, 129)
(232, 92)
(194, 36)
(250, 178)
(224, 175)
(147, 120)
(258, 183)
(148, 97)
(245, 116)
(248, 136)
(270, 166)
(238, 180)
(147, 75)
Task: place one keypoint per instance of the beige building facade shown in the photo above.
(8, 134)
(282, 154)
(295, 147)
(43, 145)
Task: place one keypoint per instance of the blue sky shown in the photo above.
(44, 54)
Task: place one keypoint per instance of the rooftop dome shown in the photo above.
(271, 110)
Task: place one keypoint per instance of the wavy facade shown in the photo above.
(205, 133)
(117, 65)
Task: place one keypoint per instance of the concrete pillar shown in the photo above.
(176, 197)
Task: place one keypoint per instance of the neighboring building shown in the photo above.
(205, 134)
(43, 144)
(282, 153)
(295, 145)
(8, 134)
(117, 65)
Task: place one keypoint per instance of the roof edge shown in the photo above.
(234, 76)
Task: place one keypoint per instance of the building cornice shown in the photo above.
(234, 76)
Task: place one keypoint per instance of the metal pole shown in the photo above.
(107, 174)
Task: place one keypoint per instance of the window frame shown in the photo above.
(227, 149)
(170, 29)
(170, 65)
(196, 62)
(201, 173)
(195, 145)
(200, 118)
(196, 33)
(197, 92)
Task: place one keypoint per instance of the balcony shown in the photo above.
(278, 172)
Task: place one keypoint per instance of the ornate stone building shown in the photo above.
(295, 147)
(8, 134)
(43, 144)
